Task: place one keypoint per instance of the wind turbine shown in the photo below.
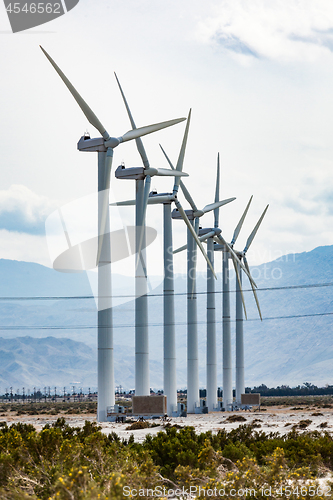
(240, 378)
(192, 334)
(104, 146)
(169, 338)
(226, 326)
(208, 234)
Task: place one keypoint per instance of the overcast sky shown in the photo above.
(258, 76)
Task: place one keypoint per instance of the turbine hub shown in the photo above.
(112, 142)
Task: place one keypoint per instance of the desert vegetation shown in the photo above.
(64, 462)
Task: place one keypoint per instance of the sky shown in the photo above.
(258, 76)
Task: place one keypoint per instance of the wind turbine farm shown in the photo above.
(169, 336)
(105, 147)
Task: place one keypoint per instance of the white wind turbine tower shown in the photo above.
(104, 146)
(208, 234)
(193, 399)
(169, 338)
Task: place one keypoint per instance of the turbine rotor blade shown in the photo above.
(139, 143)
(218, 204)
(170, 173)
(201, 238)
(180, 162)
(149, 129)
(240, 223)
(194, 234)
(180, 249)
(254, 232)
(89, 114)
(239, 283)
(217, 192)
(186, 194)
(167, 158)
(253, 289)
(153, 200)
(126, 203)
(105, 203)
(232, 252)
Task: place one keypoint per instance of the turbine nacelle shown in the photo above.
(136, 173)
(155, 193)
(191, 214)
(98, 144)
(204, 231)
(139, 173)
(88, 144)
(175, 214)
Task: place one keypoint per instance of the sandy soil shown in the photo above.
(274, 419)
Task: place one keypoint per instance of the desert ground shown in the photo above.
(270, 419)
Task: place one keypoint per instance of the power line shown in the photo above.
(89, 297)
(92, 327)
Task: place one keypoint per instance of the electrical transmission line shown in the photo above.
(89, 297)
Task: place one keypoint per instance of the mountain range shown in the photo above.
(47, 339)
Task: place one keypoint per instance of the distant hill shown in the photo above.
(46, 362)
(24, 279)
(277, 351)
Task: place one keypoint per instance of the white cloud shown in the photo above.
(294, 30)
(24, 247)
(23, 211)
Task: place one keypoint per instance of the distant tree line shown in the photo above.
(307, 389)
